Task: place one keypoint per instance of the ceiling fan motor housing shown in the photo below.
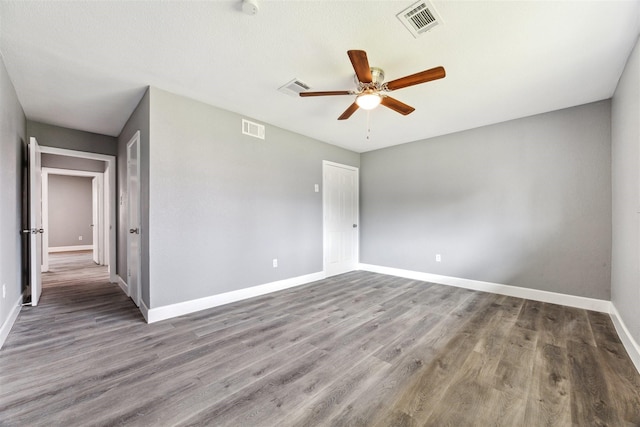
(377, 77)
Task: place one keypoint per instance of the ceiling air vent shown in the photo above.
(252, 129)
(294, 87)
(419, 18)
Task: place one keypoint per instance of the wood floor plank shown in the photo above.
(548, 402)
(355, 349)
(328, 402)
(622, 380)
(602, 327)
(468, 401)
(577, 327)
(529, 317)
(425, 399)
(591, 400)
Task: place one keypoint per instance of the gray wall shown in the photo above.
(71, 139)
(223, 204)
(139, 121)
(12, 140)
(73, 163)
(525, 203)
(70, 210)
(625, 276)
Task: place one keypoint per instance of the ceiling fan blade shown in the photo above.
(349, 111)
(396, 105)
(414, 79)
(330, 92)
(360, 65)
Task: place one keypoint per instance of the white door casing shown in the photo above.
(133, 219)
(341, 217)
(35, 221)
(109, 206)
(108, 201)
(95, 222)
(45, 218)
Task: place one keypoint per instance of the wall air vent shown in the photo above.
(294, 87)
(419, 18)
(252, 129)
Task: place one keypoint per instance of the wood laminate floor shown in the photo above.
(359, 349)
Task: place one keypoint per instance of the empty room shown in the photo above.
(320, 213)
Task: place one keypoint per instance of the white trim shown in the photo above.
(45, 221)
(8, 324)
(630, 344)
(71, 172)
(496, 288)
(110, 195)
(123, 285)
(70, 248)
(106, 208)
(186, 307)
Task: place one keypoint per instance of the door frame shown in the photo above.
(134, 292)
(325, 201)
(97, 219)
(35, 221)
(110, 201)
(98, 210)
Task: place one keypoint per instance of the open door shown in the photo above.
(95, 223)
(133, 218)
(35, 221)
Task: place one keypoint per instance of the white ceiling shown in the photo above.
(85, 64)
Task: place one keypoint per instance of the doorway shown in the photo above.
(340, 213)
(109, 206)
(76, 199)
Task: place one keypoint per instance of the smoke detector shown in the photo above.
(250, 7)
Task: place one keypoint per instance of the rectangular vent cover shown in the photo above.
(294, 87)
(252, 129)
(419, 18)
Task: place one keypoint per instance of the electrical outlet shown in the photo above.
(438, 258)
(316, 187)
(275, 263)
(79, 237)
(4, 291)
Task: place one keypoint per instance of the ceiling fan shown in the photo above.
(371, 91)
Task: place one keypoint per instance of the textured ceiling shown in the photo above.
(85, 64)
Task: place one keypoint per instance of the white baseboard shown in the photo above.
(169, 311)
(8, 324)
(496, 288)
(632, 347)
(123, 285)
(70, 248)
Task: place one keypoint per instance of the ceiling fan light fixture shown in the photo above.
(368, 100)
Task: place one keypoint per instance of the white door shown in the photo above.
(35, 221)
(95, 226)
(340, 210)
(133, 222)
